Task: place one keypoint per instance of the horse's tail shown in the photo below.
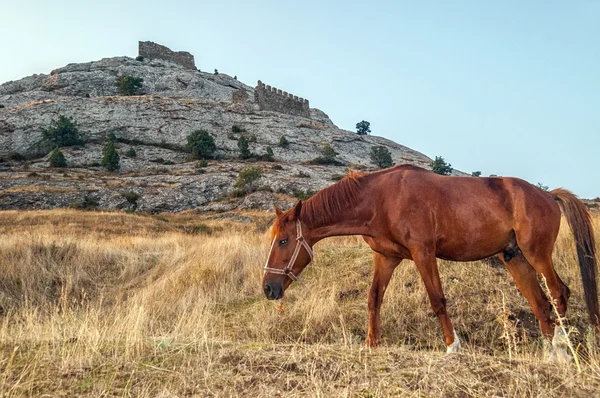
(580, 223)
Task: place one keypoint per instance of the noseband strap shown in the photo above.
(300, 242)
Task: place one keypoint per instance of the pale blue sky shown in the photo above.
(511, 88)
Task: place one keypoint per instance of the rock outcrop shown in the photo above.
(173, 102)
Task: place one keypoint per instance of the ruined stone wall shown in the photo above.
(272, 99)
(148, 49)
(240, 95)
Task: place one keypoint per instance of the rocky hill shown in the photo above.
(174, 101)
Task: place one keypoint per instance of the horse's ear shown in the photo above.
(297, 210)
(278, 212)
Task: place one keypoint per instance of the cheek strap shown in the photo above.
(300, 243)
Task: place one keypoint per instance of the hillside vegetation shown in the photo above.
(105, 304)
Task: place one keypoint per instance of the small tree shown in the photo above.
(381, 157)
(110, 157)
(216, 71)
(201, 144)
(328, 153)
(129, 85)
(439, 166)
(243, 146)
(270, 152)
(476, 174)
(131, 153)
(247, 178)
(57, 159)
(363, 128)
(283, 142)
(63, 132)
(542, 186)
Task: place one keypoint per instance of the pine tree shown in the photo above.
(243, 146)
(110, 157)
(57, 159)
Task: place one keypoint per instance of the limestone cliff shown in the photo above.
(174, 101)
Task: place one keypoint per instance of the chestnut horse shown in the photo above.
(407, 212)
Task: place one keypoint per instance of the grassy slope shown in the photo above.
(112, 303)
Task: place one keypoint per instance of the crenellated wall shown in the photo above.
(148, 49)
(273, 99)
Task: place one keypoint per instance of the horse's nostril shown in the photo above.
(268, 290)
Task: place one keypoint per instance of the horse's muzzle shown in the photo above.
(273, 291)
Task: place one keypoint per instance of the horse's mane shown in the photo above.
(327, 204)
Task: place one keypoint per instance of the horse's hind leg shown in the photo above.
(536, 245)
(427, 266)
(526, 280)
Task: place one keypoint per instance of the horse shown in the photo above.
(409, 213)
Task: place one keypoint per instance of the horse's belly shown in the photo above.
(472, 247)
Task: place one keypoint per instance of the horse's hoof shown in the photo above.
(372, 343)
(455, 346)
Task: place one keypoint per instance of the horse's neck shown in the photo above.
(355, 220)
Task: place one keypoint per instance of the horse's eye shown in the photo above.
(282, 242)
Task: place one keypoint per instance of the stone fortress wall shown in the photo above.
(272, 99)
(148, 49)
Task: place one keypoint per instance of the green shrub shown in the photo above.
(302, 195)
(110, 157)
(238, 193)
(336, 177)
(247, 178)
(439, 166)
(131, 153)
(363, 128)
(131, 197)
(129, 85)
(139, 58)
(542, 186)
(201, 144)
(216, 71)
(237, 129)
(57, 159)
(476, 174)
(17, 157)
(88, 203)
(283, 142)
(63, 132)
(243, 146)
(381, 157)
(328, 156)
(269, 155)
(202, 163)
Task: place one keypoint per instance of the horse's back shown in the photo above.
(470, 217)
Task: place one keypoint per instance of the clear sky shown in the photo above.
(509, 87)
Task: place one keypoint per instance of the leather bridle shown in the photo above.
(300, 242)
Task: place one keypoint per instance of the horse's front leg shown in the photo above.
(383, 270)
(427, 265)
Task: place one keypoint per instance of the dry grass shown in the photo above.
(119, 304)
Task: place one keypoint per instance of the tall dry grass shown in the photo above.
(105, 303)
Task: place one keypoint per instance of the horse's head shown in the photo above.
(290, 252)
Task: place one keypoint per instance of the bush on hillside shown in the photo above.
(439, 166)
(129, 85)
(57, 159)
(201, 144)
(63, 132)
(381, 157)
